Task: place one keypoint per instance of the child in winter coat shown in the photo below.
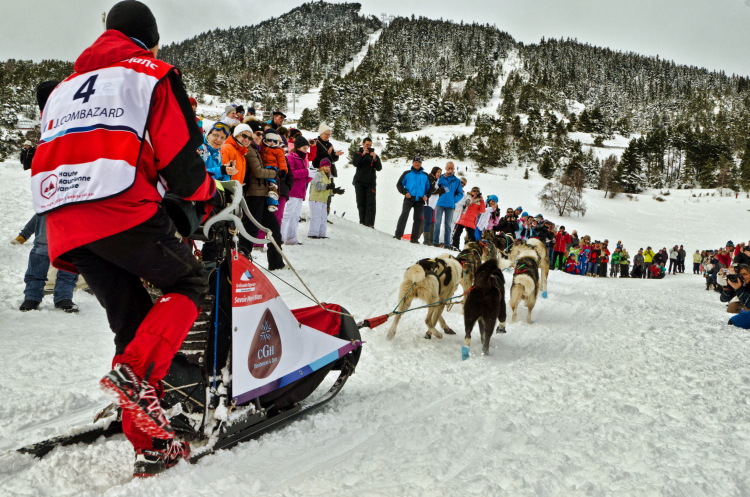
(272, 155)
(323, 186)
(570, 265)
(583, 257)
(594, 260)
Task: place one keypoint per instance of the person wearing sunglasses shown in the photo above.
(211, 155)
(234, 149)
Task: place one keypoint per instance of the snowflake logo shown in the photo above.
(265, 331)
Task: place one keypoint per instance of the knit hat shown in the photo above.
(417, 159)
(730, 244)
(43, 91)
(323, 128)
(293, 132)
(255, 125)
(240, 109)
(241, 129)
(524, 214)
(492, 197)
(228, 109)
(193, 101)
(271, 135)
(301, 141)
(27, 142)
(324, 162)
(539, 216)
(251, 111)
(135, 20)
(519, 208)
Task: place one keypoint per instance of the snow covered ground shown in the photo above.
(618, 388)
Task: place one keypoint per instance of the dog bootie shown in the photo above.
(464, 353)
(544, 294)
(449, 331)
(500, 329)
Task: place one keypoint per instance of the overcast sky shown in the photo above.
(707, 33)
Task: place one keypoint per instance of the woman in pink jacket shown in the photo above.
(298, 165)
(469, 218)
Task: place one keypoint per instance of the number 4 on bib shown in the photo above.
(86, 90)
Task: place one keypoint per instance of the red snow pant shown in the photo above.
(145, 333)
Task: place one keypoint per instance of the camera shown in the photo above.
(371, 150)
(733, 278)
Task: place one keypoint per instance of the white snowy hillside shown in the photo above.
(619, 387)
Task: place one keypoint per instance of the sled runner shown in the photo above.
(249, 364)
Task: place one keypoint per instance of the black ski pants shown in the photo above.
(673, 266)
(647, 270)
(113, 268)
(365, 203)
(561, 257)
(259, 210)
(456, 242)
(409, 204)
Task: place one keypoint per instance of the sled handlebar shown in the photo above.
(229, 213)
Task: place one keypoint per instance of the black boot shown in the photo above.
(29, 305)
(66, 305)
(162, 455)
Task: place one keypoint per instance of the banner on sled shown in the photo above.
(270, 348)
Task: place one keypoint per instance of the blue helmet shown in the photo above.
(492, 197)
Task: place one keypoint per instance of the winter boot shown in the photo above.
(33, 305)
(427, 239)
(67, 305)
(130, 393)
(162, 455)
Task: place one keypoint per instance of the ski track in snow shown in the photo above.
(618, 388)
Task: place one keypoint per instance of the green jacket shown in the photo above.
(615, 259)
(624, 256)
(319, 192)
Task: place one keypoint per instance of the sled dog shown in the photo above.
(429, 280)
(525, 282)
(502, 245)
(542, 258)
(485, 303)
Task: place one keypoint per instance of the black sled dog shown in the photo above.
(485, 303)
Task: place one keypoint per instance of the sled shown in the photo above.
(249, 364)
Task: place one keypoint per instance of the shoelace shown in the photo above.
(153, 407)
(177, 449)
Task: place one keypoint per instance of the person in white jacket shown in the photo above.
(673, 254)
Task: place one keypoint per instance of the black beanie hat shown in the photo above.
(300, 141)
(43, 91)
(255, 125)
(135, 20)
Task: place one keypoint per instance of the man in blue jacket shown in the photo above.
(413, 185)
(446, 205)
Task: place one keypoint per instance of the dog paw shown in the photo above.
(501, 329)
(485, 350)
(544, 294)
(437, 334)
(449, 331)
(391, 334)
(428, 336)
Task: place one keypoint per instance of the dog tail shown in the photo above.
(415, 274)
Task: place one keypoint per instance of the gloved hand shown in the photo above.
(219, 199)
(338, 191)
(330, 186)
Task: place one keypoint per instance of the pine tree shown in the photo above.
(546, 168)
(744, 179)
(526, 174)
(385, 115)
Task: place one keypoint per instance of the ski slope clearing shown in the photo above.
(620, 387)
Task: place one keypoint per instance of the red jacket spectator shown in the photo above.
(469, 219)
(561, 241)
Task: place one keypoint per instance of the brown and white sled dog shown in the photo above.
(525, 282)
(485, 304)
(431, 281)
(542, 258)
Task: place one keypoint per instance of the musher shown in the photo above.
(99, 176)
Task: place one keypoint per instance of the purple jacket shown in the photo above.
(298, 166)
